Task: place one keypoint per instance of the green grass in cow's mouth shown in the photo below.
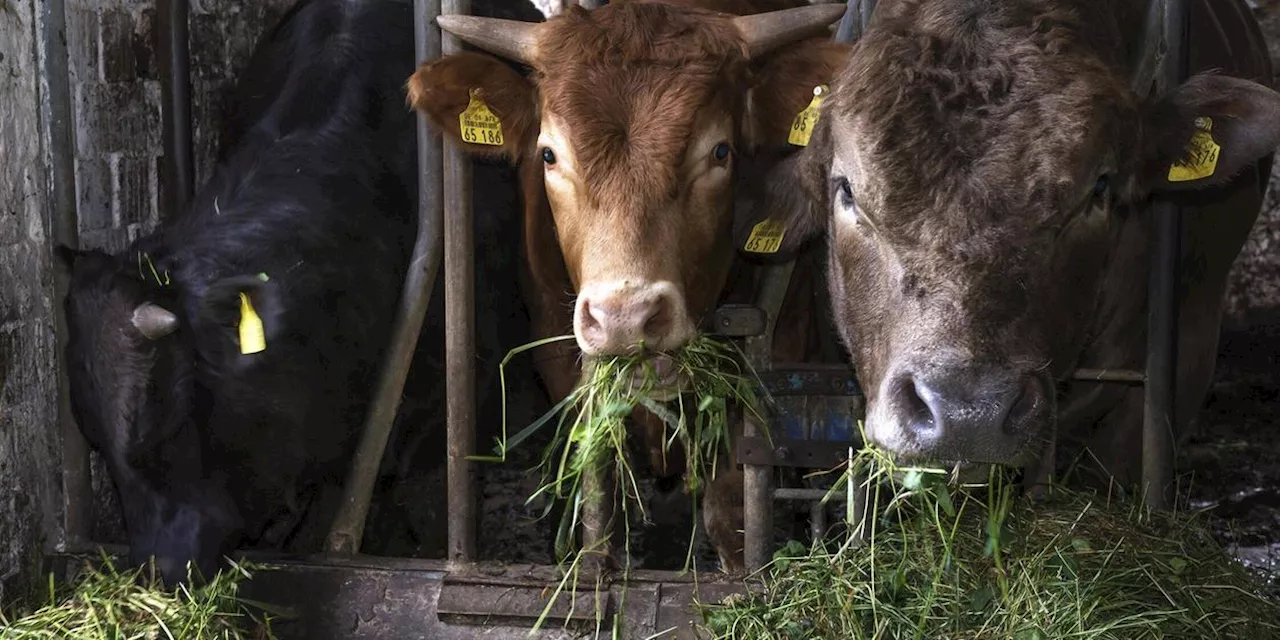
(104, 603)
(590, 431)
(967, 562)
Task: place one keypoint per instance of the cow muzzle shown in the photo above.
(626, 317)
(963, 415)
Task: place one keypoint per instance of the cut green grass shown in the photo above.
(104, 603)
(589, 441)
(970, 563)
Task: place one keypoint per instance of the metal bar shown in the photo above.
(866, 8)
(1123, 376)
(1162, 335)
(817, 520)
(850, 28)
(348, 526)
(172, 17)
(56, 126)
(597, 518)
(757, 505)
(804, 495)
(460, 347)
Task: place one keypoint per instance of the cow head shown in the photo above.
(972, 175)
(628, 131)
(134, 394)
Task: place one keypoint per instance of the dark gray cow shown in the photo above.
(982, 172)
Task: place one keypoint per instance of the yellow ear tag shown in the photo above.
(806, 120)
(766, 237)
(479, 124)
(252, 337)
(1202, 155)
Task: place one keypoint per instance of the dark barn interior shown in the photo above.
(86, 123)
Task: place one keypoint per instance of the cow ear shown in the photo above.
(1208, 131)
(494, 97)
(783, 88)
(248, 309)
(780, 202)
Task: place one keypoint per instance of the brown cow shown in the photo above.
(627, 135)
(982, 171)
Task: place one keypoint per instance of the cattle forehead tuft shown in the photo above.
(629, 81)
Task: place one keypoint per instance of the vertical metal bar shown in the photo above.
(56, 125)
(817, 519)
(865, 9)
(1162, 336)
(850, 28)
(348, 526)
(757, 481)
(597, 517)
(459, 301)
(172, 18)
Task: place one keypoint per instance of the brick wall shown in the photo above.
(29, 462)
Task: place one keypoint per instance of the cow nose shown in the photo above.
(966, 415)
(615, 320)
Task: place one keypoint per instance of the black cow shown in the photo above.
(310, 220)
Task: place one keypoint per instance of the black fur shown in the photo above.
(209, 448)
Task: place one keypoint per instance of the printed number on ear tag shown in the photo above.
(806, 120)
(766, 237)
(480, 125)
(253, 338)
(1202, 155)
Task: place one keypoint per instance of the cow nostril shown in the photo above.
(1026, 405)
(919, 416)
(590, 316)
(658, 324)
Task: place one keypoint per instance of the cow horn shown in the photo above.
(510, 39)
(764, 32)
(154, 322)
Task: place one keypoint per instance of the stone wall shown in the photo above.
(29, 459)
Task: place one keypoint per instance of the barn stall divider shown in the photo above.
(342, 594)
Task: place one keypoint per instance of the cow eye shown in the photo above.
(548, 156)
(843, 191)
(1100, 187)
(722, 151)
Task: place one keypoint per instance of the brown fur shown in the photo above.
(971, 132)
(630, 82)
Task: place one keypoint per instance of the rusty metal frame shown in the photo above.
(1160, 390)
(459, 305)
(56, 124)
(173, 21)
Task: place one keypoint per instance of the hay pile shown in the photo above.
(971, 563)
(106, 604)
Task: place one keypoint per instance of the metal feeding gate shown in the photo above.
(342, 594)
